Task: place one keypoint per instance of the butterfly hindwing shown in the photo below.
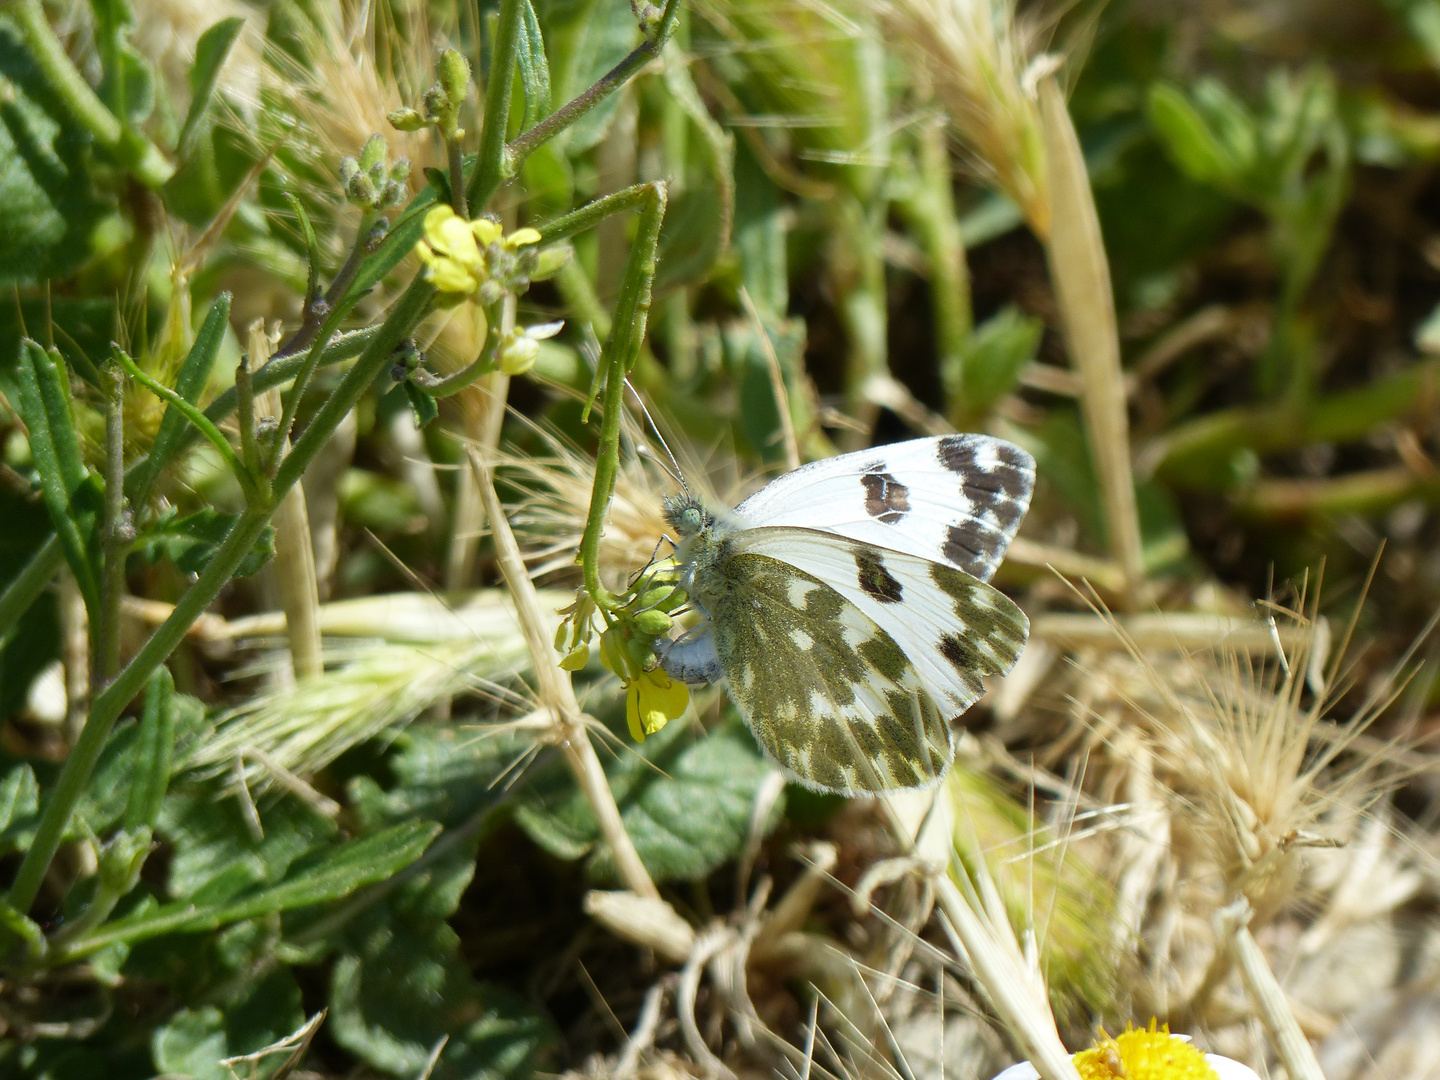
(952, 627)
(828, 693)
(956, 499)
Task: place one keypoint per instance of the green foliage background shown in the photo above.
(1284, 212)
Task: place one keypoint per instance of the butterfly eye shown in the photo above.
(689, 520)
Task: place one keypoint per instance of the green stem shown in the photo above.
(140, 156)
(365, 242)
(107, 706)
(109, 703)
(591, 214)
(196, 417)
(26, 587)
(930, 212)
(627, 332)
(403, 317)
(457, 177)
(245, 415)
(482, 365)
(490, 164)
(525, 144)
(1186, 455)
(115, 537)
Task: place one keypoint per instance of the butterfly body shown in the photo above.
(847, 605)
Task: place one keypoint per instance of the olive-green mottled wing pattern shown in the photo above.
(827, 692)
(953, 627)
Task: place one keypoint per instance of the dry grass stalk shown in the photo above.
(293, 569)
(482, 413)
(975, 56)
(1232, 924)
(979, 927)
(557, 694)
(1081, 274)
(371, 689)
(777, 382)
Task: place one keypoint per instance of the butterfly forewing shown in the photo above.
(953, 627)
(956, 499)
(828, 693)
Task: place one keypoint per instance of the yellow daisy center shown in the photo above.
(1143, 1055)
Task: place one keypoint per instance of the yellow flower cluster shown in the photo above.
(454, 250)
(1147, 1054)
(652, 700)
(1143, 1055)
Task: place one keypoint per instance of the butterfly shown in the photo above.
(847, 608)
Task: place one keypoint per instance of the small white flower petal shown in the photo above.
(1229, 1069)
(545, 330)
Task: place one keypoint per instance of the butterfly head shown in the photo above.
(685, 514)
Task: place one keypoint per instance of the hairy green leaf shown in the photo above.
(210, 54)
(686, 803)
(191, 541)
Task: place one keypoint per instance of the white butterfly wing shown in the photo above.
(956, 499)
(952, 627)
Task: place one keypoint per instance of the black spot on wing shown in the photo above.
(965, 659)
(874, 580)
(989, 468)
(973, 546)
(885, 497)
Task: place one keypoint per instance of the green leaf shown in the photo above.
(312, 246)
(49, 207)
(686, 803)
(192, 1044)
(425, 407)
(189, 384)
(214, 855)
(534, 68)
(190, 542)
(194, 1041)
(995, 354)
(1189, 139)
(71, 495)
(128, 84)
(19, 804)
(337, 874)
(153, 749)
(401, 982)
(584, 40)
(210, 53)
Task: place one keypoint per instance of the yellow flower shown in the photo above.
(450, 251)
(652, 701)
(521, 348)
(1144, 1055)
(520, 237)
(486, 231)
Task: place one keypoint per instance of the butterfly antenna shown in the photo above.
(646, 452)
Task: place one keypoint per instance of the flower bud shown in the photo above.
(653, 597)
(374, 152)
(547, 262)
(454, 71)
(407, 120)
(640, 654)
(348, 168)
(518, 354)
(653, 622)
